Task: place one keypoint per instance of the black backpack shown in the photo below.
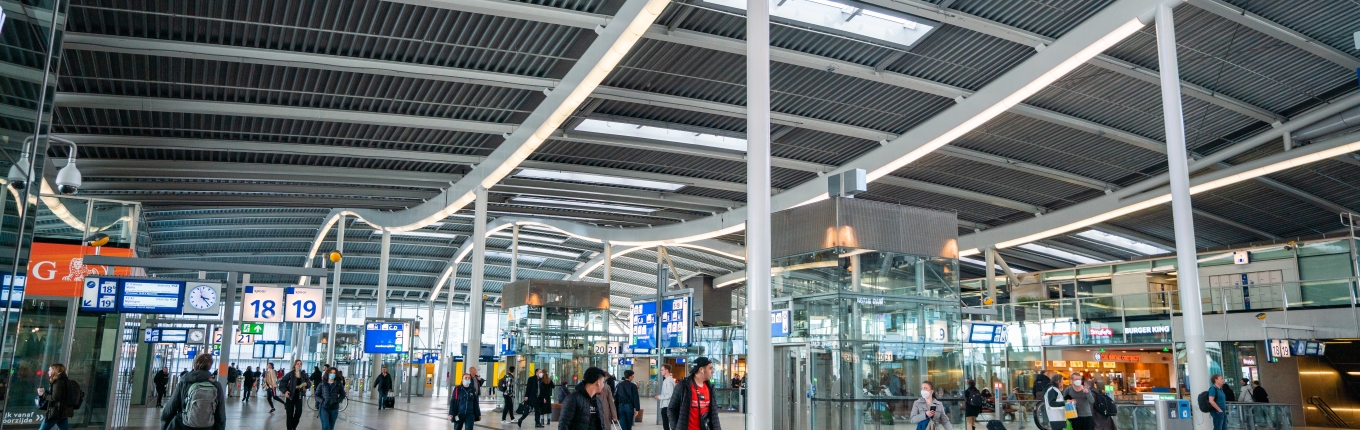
(1204, 405)
(976, 400)
(75, 397)
(1104, 405)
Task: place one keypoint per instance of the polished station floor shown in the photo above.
(363, 414)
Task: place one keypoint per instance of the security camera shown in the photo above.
(68, 178)
(18, 173)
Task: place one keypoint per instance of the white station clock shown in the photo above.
(197, 335)
(202, 298)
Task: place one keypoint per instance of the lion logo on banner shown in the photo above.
(78, 270)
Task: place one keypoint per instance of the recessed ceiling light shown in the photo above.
(661, 133)
(582, 204)
(597, 179)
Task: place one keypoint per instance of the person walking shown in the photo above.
(248, 379)
(690, 407)
(477, 381)
(233, 376)
(1104, 409)
(930, 410)
(972, 405)
(199, 401)
(464, 408)
(316, 376)
(1082, 399)
(162, 381)
(609, 410)
(294, 386)
(628, 401)
(582, 409)
(329, 396)
(271, 386)
(1258, 394)
(383, 385)
(58, 400)
(507, 385)
(1218, 402)
(538, 394)
(1054, 403)
(667, 389)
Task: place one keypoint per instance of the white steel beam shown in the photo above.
(898, 181)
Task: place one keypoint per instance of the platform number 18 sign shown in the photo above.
(262, 304)
(303, 304)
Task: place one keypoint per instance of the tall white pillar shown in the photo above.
(514, 252)
(448, 349)
(474, 313)
(760, 378)
(335, 292)
(1197, 367)
(384, 255)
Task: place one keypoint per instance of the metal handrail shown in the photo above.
(1327, 411)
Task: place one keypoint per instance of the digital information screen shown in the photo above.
(386, 337)
(779, 323)
(675, 322)
(99, 295)
(644, 325)
(142, 296)
(987, 333)
(166, 335)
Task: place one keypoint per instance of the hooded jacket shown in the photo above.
(576, 410)
(170, 415)
(330, 393)
(464, 401)
(680, 405)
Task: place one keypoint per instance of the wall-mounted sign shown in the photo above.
(1093, 364)
(1249, 360)
(166, 335)
(58, 269)
(1100, 332)
(1057, 363)
(1109, 365)
(99, 295)
(1241, 257)
(779, 323)
(1118, 357)
(987, 333)
(937, 331)
(251, 328)
(1153, 329)
(147, 296)
(303, 304)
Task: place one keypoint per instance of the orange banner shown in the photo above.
(58, 269)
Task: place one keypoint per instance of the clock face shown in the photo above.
(196, 336)
(202, 297)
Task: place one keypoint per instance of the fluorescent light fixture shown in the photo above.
(1123, 242)
(506, 255)
(1054, 252)
(663, 134)
(984, 265)
(534, 237)
(582, 204)
(845, 19)
(550, 251)
(597, 179)
(418, 233)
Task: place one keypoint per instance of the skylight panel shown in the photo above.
(597, 179)
(523, 236)
(550, 251)
(660, 133)
(845, 18)
(581, 204)
(1054, 252)
(1123, 242)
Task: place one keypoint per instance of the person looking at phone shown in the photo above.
(690, 403)
(929, 409)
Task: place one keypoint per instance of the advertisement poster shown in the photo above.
(58, 269)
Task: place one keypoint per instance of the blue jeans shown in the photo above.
(625, 417)
(328, 417)
(55, 424)
(1220, 420)
(382, 399)
(465, 421)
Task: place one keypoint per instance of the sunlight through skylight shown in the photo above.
(846, 18)
(597, 179)
(1058, 253)
(1123, 242)
(582, 204)
(984, 265)
(659, 133)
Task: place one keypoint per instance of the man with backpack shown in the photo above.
(1215, 402)
(197, 403)
(233, 374)
(972, 407)
(61, 401)
(1103, 410)
(507, 387)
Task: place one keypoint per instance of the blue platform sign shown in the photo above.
(386, 338)
(12, 292)
(779, 323)
(507, 343)
(99, 295)
(146, 296)
(675, 322)
(644, 325)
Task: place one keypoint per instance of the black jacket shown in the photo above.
(680, 405)
(54, 400)
(1258, 395)
(250, 377)
(383, 383)
(328, 396)
(294, 384)
(161, 380)
(539, 395)
(969, 410)
(628, 395)
(316, 377)
(1228, 394)
(170, 415)
(1041, 384)
(464, 401)
(576, 411)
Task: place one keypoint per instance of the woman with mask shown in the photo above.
(463, 406)
(294, 387)
(329, 396)
(538, 395)
(930, 410)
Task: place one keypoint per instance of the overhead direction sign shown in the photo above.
(303, 304)
(262, 304)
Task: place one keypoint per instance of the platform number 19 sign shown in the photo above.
(262, 304)
(303, 304)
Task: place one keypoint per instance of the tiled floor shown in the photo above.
(362, 413)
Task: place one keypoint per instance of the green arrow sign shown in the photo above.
(252, 328)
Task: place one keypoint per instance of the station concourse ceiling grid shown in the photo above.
(188, 108)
